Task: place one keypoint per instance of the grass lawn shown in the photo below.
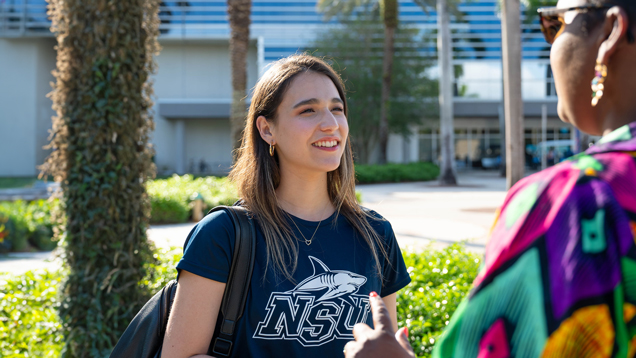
(17, 182)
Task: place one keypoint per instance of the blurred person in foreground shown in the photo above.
(559, 274)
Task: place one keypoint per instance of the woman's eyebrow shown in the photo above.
(315, 101)
(307, 101)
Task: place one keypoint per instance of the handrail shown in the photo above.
(477, 36)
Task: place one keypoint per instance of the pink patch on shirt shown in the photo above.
(494, 343)
(555, 187)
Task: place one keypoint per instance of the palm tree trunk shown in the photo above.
(445, 58)
(239, 16)
(513, 101)
(390, 14)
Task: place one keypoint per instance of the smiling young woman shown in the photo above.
(318, 253)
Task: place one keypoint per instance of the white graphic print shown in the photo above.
(321, 308)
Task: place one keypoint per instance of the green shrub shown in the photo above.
(23, 223)
(358, 196)
(440, 280)
(30, 327)
(29, 322)
(171, 198)
(394, 173)
(168, 210)
(19, 182)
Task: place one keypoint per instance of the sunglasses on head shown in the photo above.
(552, 19)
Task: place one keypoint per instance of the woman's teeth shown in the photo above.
(327, 144)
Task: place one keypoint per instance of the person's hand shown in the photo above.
(379, 342)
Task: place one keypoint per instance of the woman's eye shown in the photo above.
(308, 110)
(338, 109)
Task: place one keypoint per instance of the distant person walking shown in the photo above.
(559, 275)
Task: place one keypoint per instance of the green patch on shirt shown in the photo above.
(621, 134)
(521, 204)
(594, 233)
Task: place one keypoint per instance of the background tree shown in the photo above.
(448, 174)
(239, 17)
(102, 158)
(389, 13)
(532, 6)
(356, 50)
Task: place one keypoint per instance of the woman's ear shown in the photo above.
(265, 129)
(616, 24)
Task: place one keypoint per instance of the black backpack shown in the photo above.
(143, 338)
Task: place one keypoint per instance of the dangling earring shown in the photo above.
(598, 83)
(272, 147)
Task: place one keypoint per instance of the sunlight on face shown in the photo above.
(311, 129)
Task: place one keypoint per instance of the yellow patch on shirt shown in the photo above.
(589, 332)
(631, 350)
(590, 172)
(629, 311)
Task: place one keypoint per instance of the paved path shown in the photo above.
(421, 214)
(427, 213)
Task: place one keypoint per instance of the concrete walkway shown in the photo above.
(428, 214)
(421, 214)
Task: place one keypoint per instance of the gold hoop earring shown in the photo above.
(598, 83)
(272, 147)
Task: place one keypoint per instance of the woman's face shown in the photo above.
(310, 130)
(573, 58)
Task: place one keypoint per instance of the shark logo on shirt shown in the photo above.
(337, 283)
(323, 307)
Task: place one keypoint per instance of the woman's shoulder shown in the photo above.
(216, 218)
(217, 225)
(561, 179)
(381, 225)
(212, 237)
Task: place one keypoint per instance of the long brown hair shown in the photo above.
(257, 174)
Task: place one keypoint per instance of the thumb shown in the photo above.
(402, 336)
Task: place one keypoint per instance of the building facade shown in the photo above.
(193, 85)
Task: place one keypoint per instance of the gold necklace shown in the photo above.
(308, 242)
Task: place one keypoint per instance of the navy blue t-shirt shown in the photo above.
(313, 316)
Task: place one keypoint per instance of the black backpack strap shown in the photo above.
(238, 282)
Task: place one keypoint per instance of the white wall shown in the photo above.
(25, 114)
(46, 64)
(191, 71)
(208, 139)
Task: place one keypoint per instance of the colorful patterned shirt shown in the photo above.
(559, 273)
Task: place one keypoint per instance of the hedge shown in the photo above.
(30, 327)
(395, 173)
(440, 280)
(171, 199)
(29, 323)
(24, 226)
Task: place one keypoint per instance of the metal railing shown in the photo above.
(19, 18)
(476, 36)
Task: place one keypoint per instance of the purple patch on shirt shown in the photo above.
(575, 274)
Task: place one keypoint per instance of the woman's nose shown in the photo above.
(329, 122)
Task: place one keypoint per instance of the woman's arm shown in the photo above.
(193, 317)
(391, 306)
